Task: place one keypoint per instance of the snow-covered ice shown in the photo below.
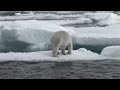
(111, 52)
(80, 54)
(37, 35)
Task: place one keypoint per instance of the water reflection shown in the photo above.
(62, 69)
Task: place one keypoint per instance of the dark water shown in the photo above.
(81, 25)
(14, 46)
(104, 69)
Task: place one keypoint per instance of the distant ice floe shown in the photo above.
(81, 20)
(19, 14)
(77, 21)
(30, 16)
(96, 16)
(110, 20)
(103, 19)
(99, 18)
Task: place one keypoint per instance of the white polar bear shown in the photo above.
(61, 40)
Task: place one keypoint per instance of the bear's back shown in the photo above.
(61, 36)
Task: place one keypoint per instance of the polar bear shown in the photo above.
(61, 40)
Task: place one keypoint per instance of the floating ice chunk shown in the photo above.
(111, 51)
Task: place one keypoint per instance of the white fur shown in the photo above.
(61, 40)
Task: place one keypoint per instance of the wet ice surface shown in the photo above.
(103, 69)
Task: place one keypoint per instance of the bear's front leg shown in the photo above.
(55, 54)
(55, 51)
(63, 50)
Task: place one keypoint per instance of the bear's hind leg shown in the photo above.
(70, 48)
